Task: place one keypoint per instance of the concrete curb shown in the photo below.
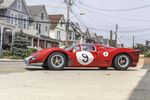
(10, 60)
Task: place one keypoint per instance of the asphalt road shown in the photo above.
(19, 82)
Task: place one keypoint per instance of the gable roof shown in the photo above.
(54, 20)
(35, 9)
(93, 34)
(6, 4)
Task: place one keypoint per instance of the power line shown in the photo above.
(114, 17)
(29, 20)
(74, 13)
(93, 19)
(119, 10)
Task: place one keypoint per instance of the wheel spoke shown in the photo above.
(122, 61)
(57, 60)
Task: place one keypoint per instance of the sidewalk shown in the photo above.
(11, 60)
(147, 61)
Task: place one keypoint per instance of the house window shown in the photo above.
(19, 5)
(58, 35)
(39, 28)
(16, 21)
(70, 37)
(73, 36)
(46, 28)
(25, 23)
(12, 19)
(42, 15)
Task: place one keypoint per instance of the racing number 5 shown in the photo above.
(85, 58)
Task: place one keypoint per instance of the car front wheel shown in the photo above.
(121, 62)
(56, 61)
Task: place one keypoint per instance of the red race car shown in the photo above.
(85, 55)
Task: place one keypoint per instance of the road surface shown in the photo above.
(19, 82)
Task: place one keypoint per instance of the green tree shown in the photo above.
(19, 45)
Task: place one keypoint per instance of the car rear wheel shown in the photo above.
(56, 61)
(121, 62)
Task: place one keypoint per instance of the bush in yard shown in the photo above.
(6, 54)
(30, 51)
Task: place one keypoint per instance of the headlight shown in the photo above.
(32, 57)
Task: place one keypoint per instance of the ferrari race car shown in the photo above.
(85, 55)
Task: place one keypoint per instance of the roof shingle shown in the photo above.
(54, 20)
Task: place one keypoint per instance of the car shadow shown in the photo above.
(76, 69)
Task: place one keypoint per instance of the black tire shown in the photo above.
(44, 66)
(53, 65)
(121, 62)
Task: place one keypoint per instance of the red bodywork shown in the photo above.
(99, 59)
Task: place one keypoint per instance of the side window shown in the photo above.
(87, 48)
(77, 48)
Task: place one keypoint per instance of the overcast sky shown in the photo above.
(87, 13)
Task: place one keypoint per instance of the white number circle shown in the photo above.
(105, 54)
(84, 57)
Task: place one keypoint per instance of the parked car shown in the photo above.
(85, 55)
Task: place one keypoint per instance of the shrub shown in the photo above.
(30, 51)
(6, 53)
(147, 54)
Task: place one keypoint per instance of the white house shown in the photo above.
(41, 23)
(58, 28)
(14, 16)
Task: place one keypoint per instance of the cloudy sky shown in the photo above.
(101, 16)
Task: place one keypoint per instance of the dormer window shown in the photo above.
(19, 5)
(42, 15)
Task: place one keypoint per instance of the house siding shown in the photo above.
(20, 14)
(43, 25)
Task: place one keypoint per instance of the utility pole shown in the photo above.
(111, 36)
(116, 30)
(133, 41)
(69, 4)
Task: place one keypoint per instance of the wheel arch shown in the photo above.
(66, 55)
(122, 53)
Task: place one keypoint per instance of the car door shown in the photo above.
(86, 56)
